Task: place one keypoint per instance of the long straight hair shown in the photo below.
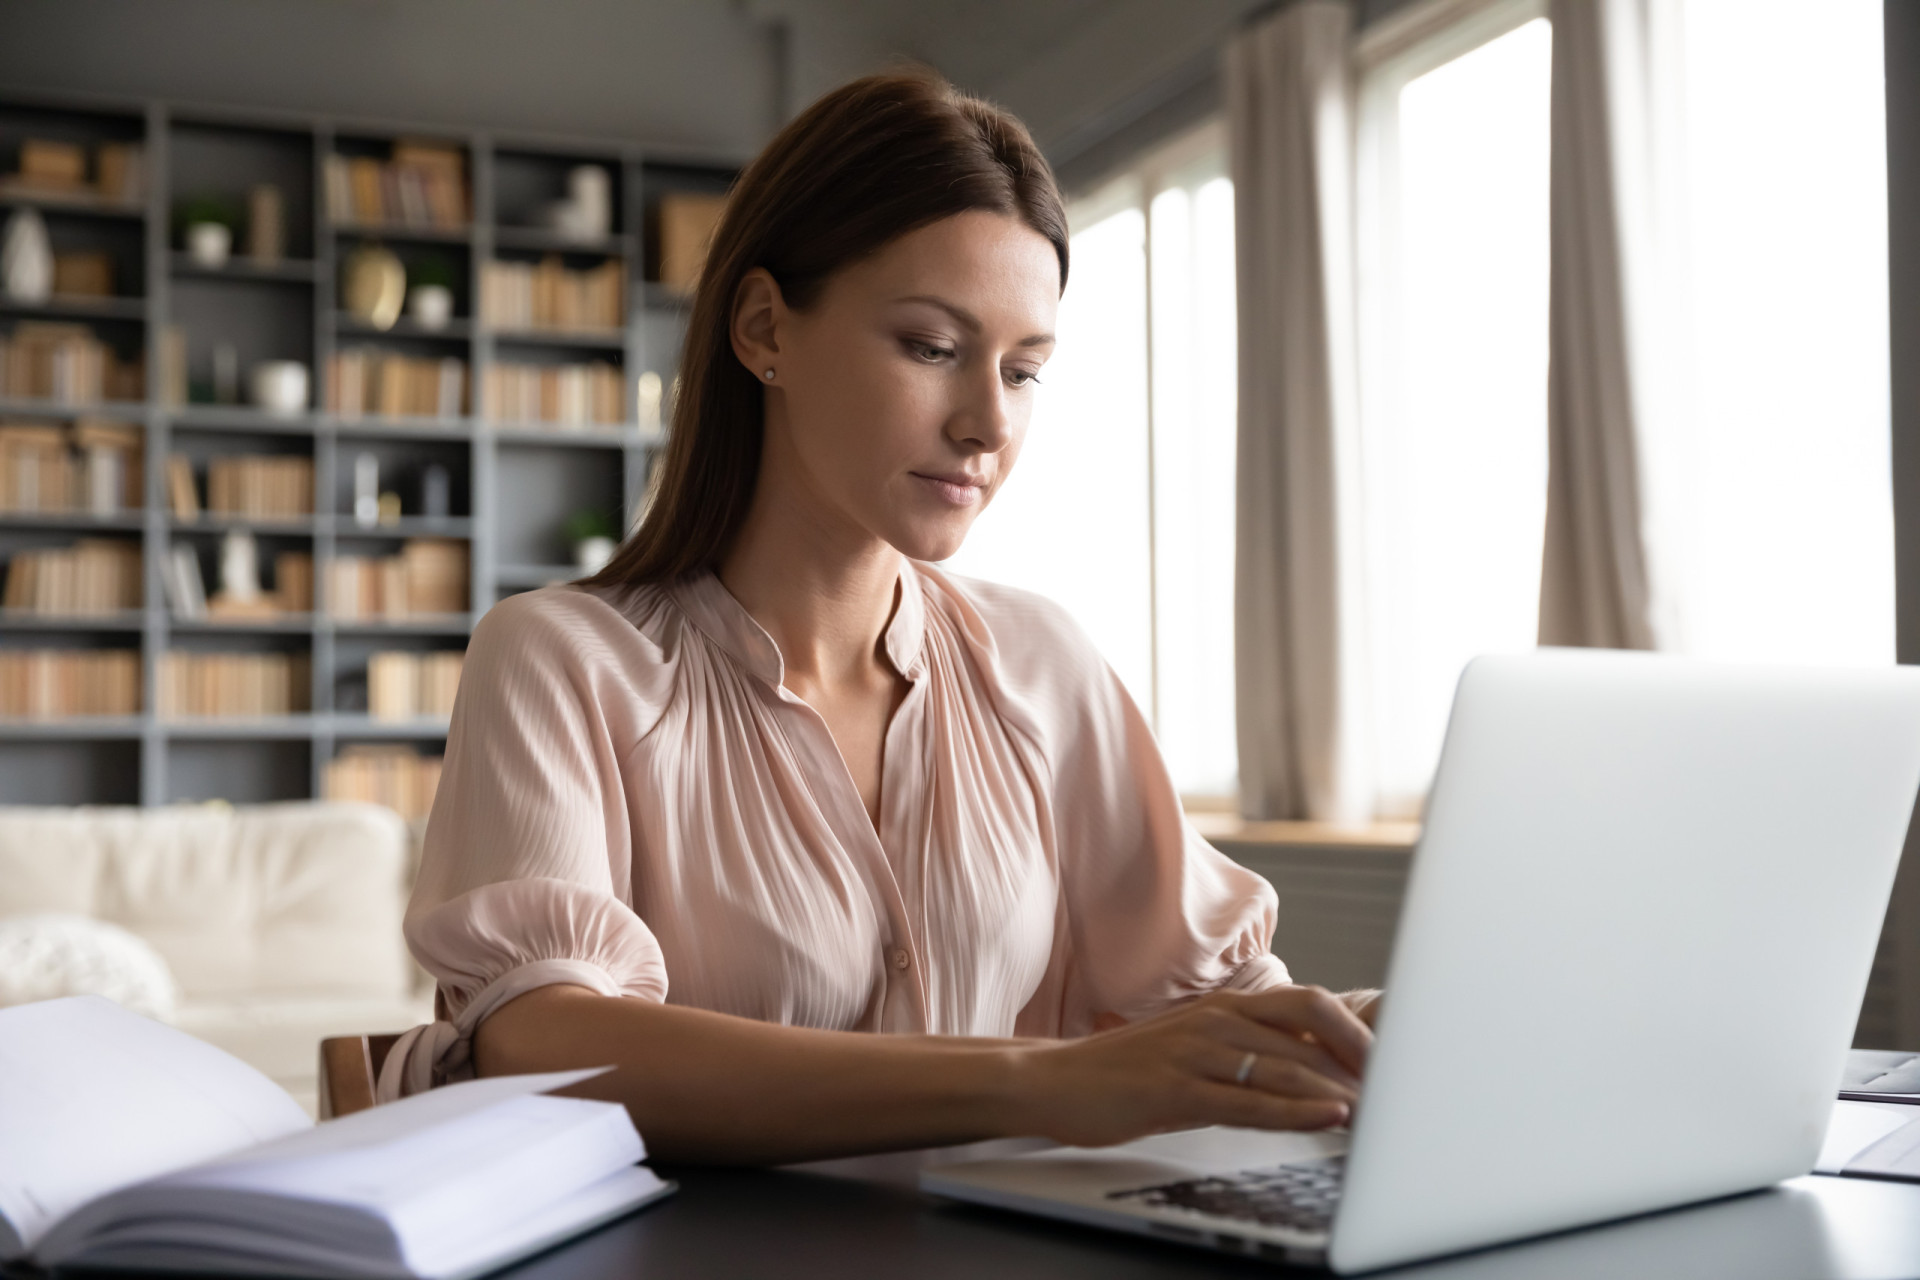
(866, 164)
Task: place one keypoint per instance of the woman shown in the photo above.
(770, 782)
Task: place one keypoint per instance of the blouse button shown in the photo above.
(900, 958)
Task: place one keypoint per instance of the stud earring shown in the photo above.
(769, 375)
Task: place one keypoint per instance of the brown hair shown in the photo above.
(867, 163)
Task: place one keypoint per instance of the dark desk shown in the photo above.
(856, 1218)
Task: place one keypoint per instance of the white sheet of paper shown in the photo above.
(93, 1098)
(1893, 1155)
(1855, 1126)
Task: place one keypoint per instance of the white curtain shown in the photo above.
(1611, 330)
(1289, 97)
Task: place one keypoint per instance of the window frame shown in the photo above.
(1189, 159)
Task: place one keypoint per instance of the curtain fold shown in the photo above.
(1608, 379)
(1289, 95)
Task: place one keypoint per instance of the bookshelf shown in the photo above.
(510, 485)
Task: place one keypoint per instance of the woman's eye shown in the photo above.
(1023, 377)
(930, 352)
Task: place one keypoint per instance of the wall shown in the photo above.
(1093, 79)
(679, 73)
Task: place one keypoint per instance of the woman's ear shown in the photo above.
(759, 313)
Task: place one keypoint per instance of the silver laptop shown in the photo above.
(1635, 941)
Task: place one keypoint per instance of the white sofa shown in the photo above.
(280, 923)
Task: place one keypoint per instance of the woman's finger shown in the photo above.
(1271, 1073)
(1255, 1109)
(1316, 1012)
(1244, 1034)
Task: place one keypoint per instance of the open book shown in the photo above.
(131, 1145)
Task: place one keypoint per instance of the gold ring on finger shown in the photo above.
(1245, 1073)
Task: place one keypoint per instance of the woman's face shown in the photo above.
(900, 399)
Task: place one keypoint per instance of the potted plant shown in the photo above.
(207, 224)
(430, 281)
(593, 534)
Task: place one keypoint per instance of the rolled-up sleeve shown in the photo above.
(525, 874)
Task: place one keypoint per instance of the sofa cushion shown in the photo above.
(281, 1036)
(295, 899)
(54, 954)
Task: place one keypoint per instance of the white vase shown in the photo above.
(26, 258)
(209, 243)
(280, 386)
(590, 190)
(239, 567)
(430, 305)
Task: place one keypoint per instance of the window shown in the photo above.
(1121, 505)
(1453, 430)
(1783, 548)
(1765, 473)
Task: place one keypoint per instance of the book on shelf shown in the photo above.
(687, 223)
(83, 274)
(56, 168)
(182, 493)
(53, 166)
(368, 380)
(266, 224)
(546, 295)
(55, 684)
(94, 576)
(187, 597)
(558, 395)
(406, 686)
(64, 362)
(186, 589)
(423, 185)
(173, 366)
(90, 466)
(234, 684)
(391, 774)
(134, 1146)
(429, 577)
(293, 581)
(257, 486)
(120, 172)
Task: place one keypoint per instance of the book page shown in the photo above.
(419, 1185)
(93, 1098)
(1896, 1155)
(1857, 1126)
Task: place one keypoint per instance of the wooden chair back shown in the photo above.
(349, 1067)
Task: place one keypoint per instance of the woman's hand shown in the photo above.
(1365, 1004)
(1181, 1069)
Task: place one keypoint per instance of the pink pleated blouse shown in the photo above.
(632, 802)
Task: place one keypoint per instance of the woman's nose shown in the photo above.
(983, 420)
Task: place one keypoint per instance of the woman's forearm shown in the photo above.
(708, 1087)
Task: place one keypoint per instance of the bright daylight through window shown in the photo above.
(1769, 527)
(1121, 506)
(1787, 549)
(1454, 352)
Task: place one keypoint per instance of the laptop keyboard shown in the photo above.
(1298, 1196)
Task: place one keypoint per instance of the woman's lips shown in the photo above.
(961, 491)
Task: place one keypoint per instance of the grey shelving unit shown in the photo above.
(513, 484)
